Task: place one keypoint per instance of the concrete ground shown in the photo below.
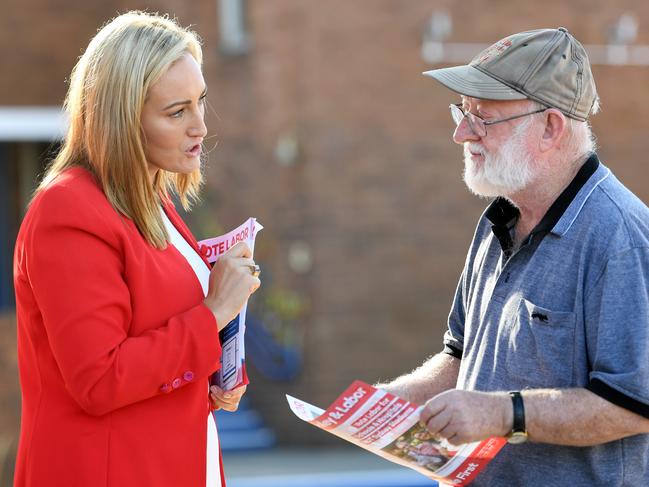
(313, 467)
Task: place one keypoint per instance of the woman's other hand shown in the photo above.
(231, 283)
(228, 400)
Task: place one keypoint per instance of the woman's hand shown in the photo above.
(231, 283)
(228, 400)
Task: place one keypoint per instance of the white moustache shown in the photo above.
(470, 147)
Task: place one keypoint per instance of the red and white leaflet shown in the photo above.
(232, 372)
(389, 426)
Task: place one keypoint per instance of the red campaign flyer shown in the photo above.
(389, 427)
(232, 372)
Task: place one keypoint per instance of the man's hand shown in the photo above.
(464, 416)
(228, 400)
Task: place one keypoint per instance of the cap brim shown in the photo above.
(469, 81)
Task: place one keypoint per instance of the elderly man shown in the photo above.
(548, 337)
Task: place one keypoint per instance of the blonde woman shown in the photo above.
(118, 314)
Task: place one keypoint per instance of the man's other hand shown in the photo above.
(464, 416)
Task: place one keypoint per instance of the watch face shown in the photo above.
(517, 437)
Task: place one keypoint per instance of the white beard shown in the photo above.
(503, 173)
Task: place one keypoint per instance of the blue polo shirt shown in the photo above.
(568, 309)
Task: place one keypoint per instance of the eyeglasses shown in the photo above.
(477, 124)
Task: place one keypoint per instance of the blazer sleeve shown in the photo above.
(76, 271)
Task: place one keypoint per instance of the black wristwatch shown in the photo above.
(518, 434)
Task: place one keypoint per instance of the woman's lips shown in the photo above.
(194, 151)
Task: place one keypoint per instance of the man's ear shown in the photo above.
(555, 128)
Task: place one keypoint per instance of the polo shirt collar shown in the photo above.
(593, 174)
(550, 220)
(562, 213)
(503, 216)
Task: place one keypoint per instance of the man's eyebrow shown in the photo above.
(184, 102)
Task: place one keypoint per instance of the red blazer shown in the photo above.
(115, 347)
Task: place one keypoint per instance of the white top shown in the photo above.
(213, 477)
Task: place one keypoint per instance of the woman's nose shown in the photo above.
(198, 128)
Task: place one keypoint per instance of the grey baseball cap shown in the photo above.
(549, 66)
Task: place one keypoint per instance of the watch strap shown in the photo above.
(518, 425)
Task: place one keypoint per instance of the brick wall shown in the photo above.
(375, 191)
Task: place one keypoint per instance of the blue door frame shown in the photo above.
(6, 235)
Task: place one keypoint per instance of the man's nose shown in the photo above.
(464, 132)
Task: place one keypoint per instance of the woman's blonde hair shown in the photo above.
(108, 87)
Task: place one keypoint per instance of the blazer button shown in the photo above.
(165, 388)
(188, 376)
(176, 383)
